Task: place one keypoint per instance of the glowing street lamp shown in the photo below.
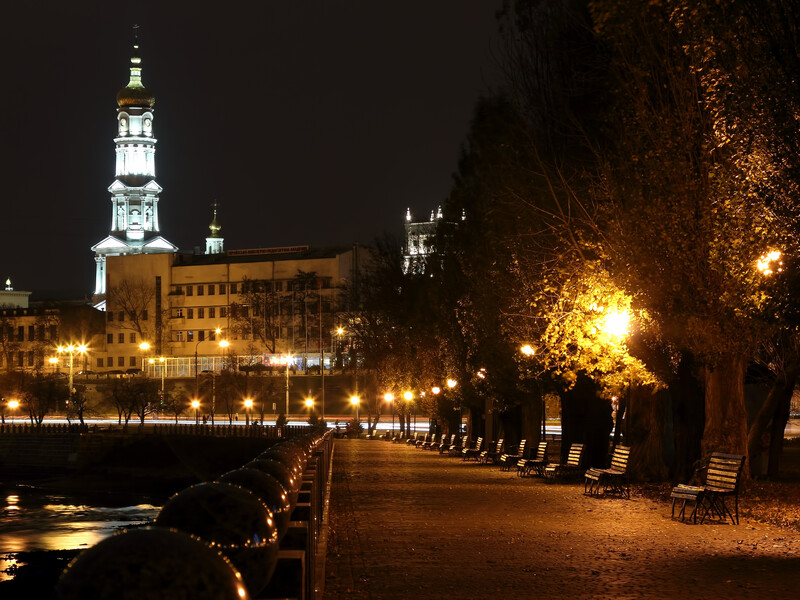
(355, 401)
(616, 323)
(451, 383)
(54, 362)
(248, 404)
(195, 406)
(144, 347)
(13, 405)
(770, 263)
(527, 350)
(436, 390)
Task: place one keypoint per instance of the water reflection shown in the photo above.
(32, 520)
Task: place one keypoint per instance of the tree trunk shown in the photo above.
(688, 419)
(647, 411)
(586, 419)
(779, 421)
(779, 395)
(726, 415)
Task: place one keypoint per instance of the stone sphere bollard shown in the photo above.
(232, 519)
(268, 489)
(149, 564)
(280, 472)
(288, 458)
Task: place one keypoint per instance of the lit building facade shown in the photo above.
(266, 303)
(421, 240)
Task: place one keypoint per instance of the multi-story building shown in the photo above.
(266, 303)
(31, 333)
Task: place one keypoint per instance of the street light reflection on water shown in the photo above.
(33, 521)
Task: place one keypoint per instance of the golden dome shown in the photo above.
(135, 94)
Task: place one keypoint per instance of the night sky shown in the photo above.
(311, 122)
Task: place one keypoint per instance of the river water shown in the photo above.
(34, 520)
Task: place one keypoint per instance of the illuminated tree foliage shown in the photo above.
(587, 332)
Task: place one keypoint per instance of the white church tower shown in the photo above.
(134, 193)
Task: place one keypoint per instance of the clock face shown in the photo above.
(147, 122)
(123, 123)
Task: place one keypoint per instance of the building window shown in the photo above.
(190, 336)
(132, 338)
(110, 338)
(144, 315)
(121, 338)
(179, 313)
(121, 315)
(53, 332)
(178, 289)
(201, 335)
(21, 335)
(278, 286)
(212, 335)
(223, 312)
(120, 361)
(212, 312)
(189, 290)
(30, 358)
(41, 332)
(201, 313)
(110, 316)
(233, 289)
(221, 288)
(200, 289)
(210, 289)
(31, 333)
(132, 361)
(99, 362)
(179, 336)
(190, 313)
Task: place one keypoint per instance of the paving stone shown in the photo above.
(412, 523)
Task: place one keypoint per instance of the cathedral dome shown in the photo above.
(135, 94)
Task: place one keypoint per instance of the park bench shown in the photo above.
(413, 440)
(572, 466)
(723, 475)
(458, 447)
(423, 440)
(469, 451)
(536, 464)
(446, 445)
(492, 454)
(614, 479)
(507, 460)
(436, 443)
(429, 444)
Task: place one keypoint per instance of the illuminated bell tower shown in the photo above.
(134, 193)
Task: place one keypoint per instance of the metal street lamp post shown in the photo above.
(288, 362)
(70, 350)
(389, 397)
(355, 401)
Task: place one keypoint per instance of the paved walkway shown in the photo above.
(410, 524)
